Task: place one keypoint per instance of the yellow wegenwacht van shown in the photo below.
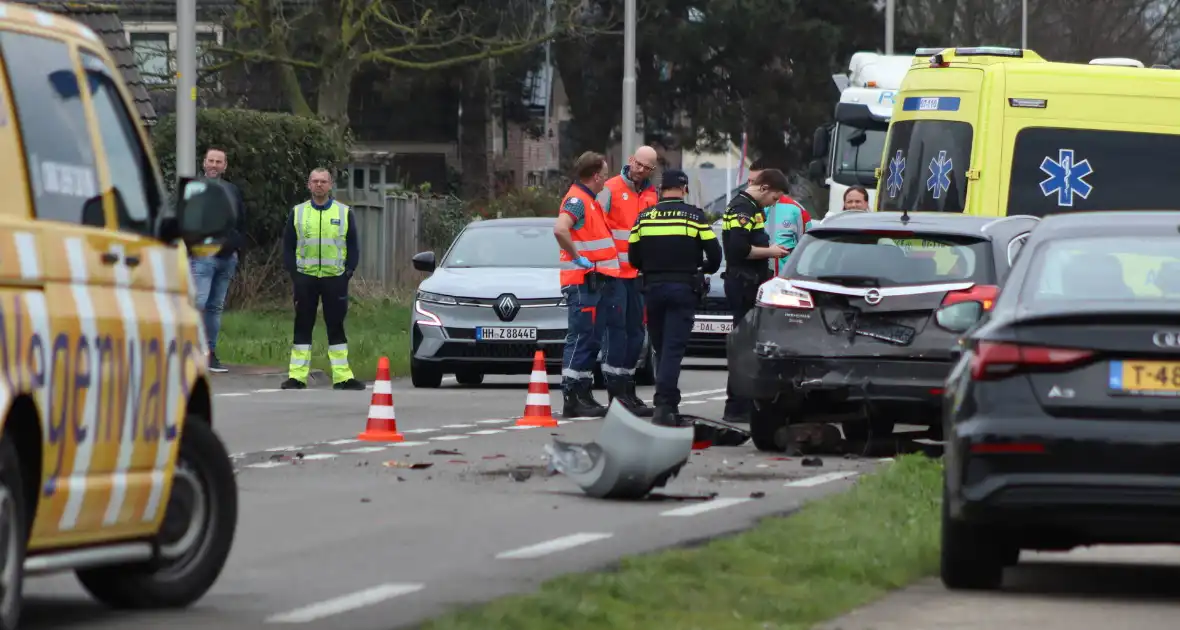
(1001, 131)
(109, 466)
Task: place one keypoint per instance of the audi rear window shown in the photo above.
(1128, 271)
(886, 259)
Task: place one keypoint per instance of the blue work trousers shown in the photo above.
(622, 357)
(593, 316)
(671, 307)
(211, 276)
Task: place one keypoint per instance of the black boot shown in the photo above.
(632, 402)
(665, 416)
(578, 402)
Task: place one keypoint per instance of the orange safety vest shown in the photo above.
(625, 206)
(592, 240)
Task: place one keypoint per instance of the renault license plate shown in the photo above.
(505, 333)
(714, 328)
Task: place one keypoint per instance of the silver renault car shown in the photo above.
(491, 302)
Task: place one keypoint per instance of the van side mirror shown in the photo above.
(205, 212)
(424, 261)
(819, 141)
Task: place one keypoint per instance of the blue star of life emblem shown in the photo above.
(940, 174)
(1066, 178)
(896, 168)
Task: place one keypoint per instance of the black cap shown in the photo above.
(674, 178)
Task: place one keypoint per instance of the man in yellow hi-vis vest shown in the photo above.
(320, 252)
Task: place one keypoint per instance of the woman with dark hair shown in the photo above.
(856, 199)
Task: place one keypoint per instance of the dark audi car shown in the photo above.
(859, 325)
(1061, 416)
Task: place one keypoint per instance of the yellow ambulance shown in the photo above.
(1001, 131)
(109, 466)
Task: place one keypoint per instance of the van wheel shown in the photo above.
(195, 538)
(972, 557)
(14, 535)
(768, 426)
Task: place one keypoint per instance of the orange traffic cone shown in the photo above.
(382, 425)
(536, 405)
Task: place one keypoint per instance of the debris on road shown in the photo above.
(520, 473)
(707, 432)
(812, 461)
(393, 463)
(660, 496)
(757, 495)
(629, 459)
(439, 451)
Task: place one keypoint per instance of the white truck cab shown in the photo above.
(847, 150)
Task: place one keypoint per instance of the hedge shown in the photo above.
(269, 157)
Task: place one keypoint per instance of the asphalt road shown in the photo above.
(333, 536)
(1094, 588)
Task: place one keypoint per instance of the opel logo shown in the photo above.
(507, 307)
(873, 297)
(1167, 339)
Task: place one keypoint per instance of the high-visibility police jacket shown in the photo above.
(592, 238)
(321, 245)
(625, 206)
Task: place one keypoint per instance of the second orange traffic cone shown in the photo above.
(537, 412)
(382, 424)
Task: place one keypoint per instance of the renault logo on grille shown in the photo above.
(1167, 339)
(507, 306)
(873, 297)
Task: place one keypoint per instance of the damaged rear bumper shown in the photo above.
(763, 372)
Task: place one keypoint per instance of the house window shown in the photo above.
(154, 45)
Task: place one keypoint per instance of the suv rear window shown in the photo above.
(1120, 269)
(887, 259)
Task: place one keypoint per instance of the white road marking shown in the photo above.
(449, 437)
(283, 448)
(520, 428)
(487, 432)
(561, 422)
(705, 506)
(345, 441)
(694, 402)
(552, 546)
(584, 418)
(365, 449)
(408, 444)
(233, 394)
(267, 465)
(317, 456)
(267, 391)
(820, 479)
(717, 398)
(494, 421)
(419, 431)
(457, 426)
(704, 393)
(345, 603)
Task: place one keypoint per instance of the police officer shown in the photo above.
(747, 249)
(321, 252)
(666, 244)
(589, 270)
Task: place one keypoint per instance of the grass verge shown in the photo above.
(788, 573)
(376, 327)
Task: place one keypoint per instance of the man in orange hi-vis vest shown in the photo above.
(590, 283)
(622, 199)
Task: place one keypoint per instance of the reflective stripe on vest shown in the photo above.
(321, 246)
(592, 240)
(625, 206)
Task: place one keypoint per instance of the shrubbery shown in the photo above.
(270, 156)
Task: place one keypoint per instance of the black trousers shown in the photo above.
(310, 291)
(741, 290)
(670, 310)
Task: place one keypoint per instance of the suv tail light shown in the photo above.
(780, 293)
(961, 309)
(995, 360)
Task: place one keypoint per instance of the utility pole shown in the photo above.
(1024, 24)
(890, 10)
(628, 80)
(186, 88)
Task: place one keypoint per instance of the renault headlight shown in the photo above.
(436, 298)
